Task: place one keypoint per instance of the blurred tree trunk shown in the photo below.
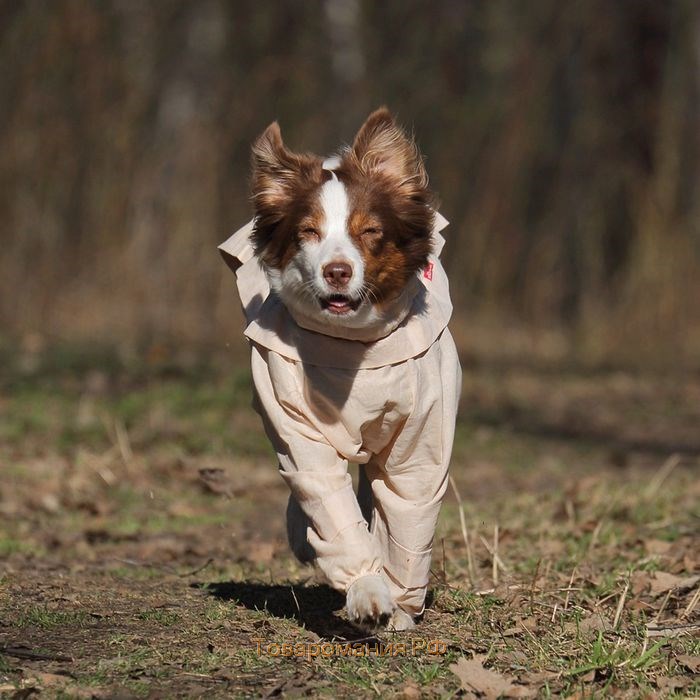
(561, 137)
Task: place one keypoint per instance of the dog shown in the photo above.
(347, 307)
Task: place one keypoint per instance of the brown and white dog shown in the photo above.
(351, 357)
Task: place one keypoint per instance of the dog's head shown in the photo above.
(341, 239)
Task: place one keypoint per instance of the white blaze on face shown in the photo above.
(301, 285)
(336, 209)
(336, 245)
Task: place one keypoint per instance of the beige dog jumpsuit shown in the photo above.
(387, 402)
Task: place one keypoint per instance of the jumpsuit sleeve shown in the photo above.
(315, 473)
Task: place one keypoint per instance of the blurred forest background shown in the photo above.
(561, 137)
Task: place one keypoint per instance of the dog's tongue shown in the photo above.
(338, 304)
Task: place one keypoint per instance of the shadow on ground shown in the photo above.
(314, 607)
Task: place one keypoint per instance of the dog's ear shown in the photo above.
(382, 148)
(281, 180)
(273, 170)
(277, 171)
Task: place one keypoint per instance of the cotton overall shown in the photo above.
(388, 404)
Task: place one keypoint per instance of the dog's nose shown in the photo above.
(337, 274)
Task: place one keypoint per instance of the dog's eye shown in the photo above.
(309, 234)
(371, 231)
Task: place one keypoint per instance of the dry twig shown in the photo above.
(494, 555)
(661, 475)
(621, 605)
(471, 571)
(691, 605)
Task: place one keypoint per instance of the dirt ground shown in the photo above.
(142, 549)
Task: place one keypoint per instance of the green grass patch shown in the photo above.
(46, 618)
(163, 617)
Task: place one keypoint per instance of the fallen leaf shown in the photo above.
(591, 624)
(672, 682)
(640, 581)
(522, 625)
(516, 657)
(595, 623)
(47, 679)
(657, 546)
(692, 663)
(654, 630)
(662, 582)
(552, 547)
(217, 481)
(473, 676)
(541, 677)
(410, 691)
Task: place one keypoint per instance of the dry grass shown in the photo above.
(142, 544)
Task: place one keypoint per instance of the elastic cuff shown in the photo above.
(352, 555)
(410, 600)
(354, 579)
(410, 569)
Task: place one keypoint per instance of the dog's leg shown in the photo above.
(364, 494)
(323, 501)
(297, 527)
(366, 593)
(409, 482)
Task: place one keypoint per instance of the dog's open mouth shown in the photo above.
(339, 304)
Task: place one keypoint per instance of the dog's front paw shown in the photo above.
(400, 621)
(369, 601)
